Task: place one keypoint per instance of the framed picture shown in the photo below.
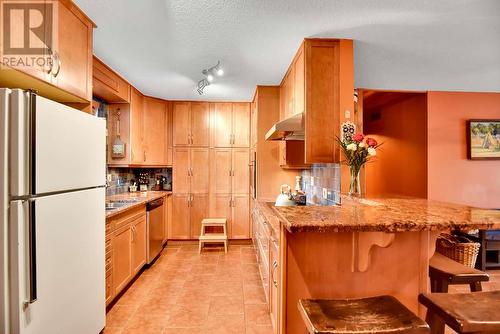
(483, 139)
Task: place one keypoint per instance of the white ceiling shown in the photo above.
(161, 46)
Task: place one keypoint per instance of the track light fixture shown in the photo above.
(210, 74)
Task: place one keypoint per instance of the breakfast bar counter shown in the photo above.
(364, 248)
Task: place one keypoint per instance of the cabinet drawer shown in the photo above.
(127, 217)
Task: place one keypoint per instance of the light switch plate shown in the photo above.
(109, 177)
(325, 193)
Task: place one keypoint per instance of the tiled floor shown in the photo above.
(185, 292)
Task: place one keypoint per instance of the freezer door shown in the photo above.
(67, 147)
(70, 262)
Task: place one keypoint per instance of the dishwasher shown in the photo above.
(155, 215)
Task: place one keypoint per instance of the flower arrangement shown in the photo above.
(357, 150)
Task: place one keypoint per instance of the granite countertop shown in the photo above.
(386, 215)
(142, 198)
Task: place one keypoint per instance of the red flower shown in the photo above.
(371, 142)
(358, 137)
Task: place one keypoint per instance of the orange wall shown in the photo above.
(400, 167)
(453, 178)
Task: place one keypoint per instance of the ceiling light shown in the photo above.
(209, 74)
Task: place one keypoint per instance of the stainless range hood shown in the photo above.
(291, 128)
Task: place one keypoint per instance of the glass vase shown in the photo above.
(355, 185)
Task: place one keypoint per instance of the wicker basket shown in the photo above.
(459, 249)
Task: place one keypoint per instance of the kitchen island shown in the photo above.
(361, 248)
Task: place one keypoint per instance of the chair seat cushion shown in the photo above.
(466, 312)
(374, 315)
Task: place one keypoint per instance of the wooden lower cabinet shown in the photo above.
(221, 207)
(139, 244)
(198, 212)
(122, 258)
(240, 226)
(168, 217)
(180, 225)
(275, 282)
(125, 249)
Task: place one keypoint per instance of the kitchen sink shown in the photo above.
(115, 204)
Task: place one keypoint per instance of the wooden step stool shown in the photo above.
(213, 237)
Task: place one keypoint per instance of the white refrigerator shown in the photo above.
(52, 199)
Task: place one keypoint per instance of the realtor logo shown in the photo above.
(27, 33)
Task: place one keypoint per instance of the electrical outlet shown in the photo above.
(109, 177)
(325, 193)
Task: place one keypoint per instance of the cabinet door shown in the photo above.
(290, 92)
(200, 124)
(240, 227)
(221, 207)
(181, 171)
(167, 205)
(155, 136)
(136, 127)
(241, 171)
(299, 83)
(179, 226)
(73, 71)
(220, 172)
(138, 244)
(122, 258)
(182, 123)
(222, 124)
(274, 284)
(199, 211)
(241, 124)
(199, 170)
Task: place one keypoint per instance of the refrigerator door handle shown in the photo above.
(32, 143)
(32, 252)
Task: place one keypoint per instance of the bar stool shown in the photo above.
(477, 313)
(374, 315)
(213, 237)
(444, 271)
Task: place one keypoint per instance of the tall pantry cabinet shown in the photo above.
(210, 167)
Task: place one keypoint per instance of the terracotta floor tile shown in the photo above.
(248, 258)
(257, 315)
(259, 330)
(192, 316)
(120, 314)
(250, 268)
(227, 324)
(254, 294)
(227, 288)
(226, 305)
(112, 330)
(188, 330)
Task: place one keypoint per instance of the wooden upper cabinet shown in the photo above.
(200, 124)
(139, 258)
(180, 227)
(155, 136)
(241, 124)
(241, 171)
(298, 83)
(221, 170)
(222, 124)
(72, 70)
(199, 170)
(181, 172)
(320, 83)
(108, 85)
(182, 123)
(137, 154)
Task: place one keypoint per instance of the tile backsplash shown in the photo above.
(319, 177)
(121, 178)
